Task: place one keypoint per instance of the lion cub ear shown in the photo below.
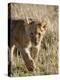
(43, 26)
(29, 20)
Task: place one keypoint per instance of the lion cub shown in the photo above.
(26, 36)
(35, 30)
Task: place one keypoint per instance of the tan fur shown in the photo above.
(26, 36)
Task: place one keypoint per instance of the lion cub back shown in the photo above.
(18, 34)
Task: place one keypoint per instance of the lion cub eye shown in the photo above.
(31, 33)
(39, 34)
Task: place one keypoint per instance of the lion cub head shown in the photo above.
(36, 30)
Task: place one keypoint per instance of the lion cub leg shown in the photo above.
(29, 62)
(11, 54)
